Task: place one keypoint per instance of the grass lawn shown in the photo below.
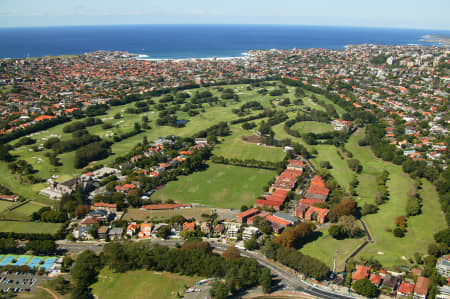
(23, 212)
(143, 215)
(388, 249)
(4, 204)
(312, 127)
(140, 284)
(29, 227)
(220, 186)
(339, 170)
(326, 248)
(234, 147)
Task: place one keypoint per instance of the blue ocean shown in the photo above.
(188, 41)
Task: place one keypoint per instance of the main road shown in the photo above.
(286, 277)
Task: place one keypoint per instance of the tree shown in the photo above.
(244, 208)
(86, 268)
(443, 236)
(164, 232)
(413, 206)
(325, 164)
(81, 293)
(61, 285)
(251, 244)
(366, 288)
(219, 290)
(231, 253)
(265, 280)
(398, 232)
(354, 165)
(368, 209)
(297, 236)
(345, 208)
(337, 232)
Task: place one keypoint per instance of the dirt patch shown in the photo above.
(252, 139)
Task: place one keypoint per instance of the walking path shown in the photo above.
(50, 292)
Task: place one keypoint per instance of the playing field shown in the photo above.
(144, 215)
(306, 127)
(29, 227)
(140, 284)
(388, 249)
(220, 186)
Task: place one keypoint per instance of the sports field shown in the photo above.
(140, 284)
(29, 227)
(220, 186)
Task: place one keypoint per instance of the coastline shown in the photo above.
(145, 57)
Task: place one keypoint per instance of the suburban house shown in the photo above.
(390, 282)
(249, 232)
(341, 125)
(361, 272)
(131, 228)
(110, 207)
(421, 289)
(115, 233)
(146, 230)
(102, 232)
(189, 226)
(405, 289)
(375, 279)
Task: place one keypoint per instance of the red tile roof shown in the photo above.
(189, 226)
(105, 205)
(375, 278)
(247, 213)
(277, 220)
(165, 206)
(406, 288)
(361, 272)
(310, 201)
(421, 286)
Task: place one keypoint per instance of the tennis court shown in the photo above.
(7, 260)
(21, 260)
(48, 264)
(34, 263)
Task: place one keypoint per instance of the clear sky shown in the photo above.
(433, 14)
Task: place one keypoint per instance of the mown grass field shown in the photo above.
(316, 127)
(234, 147)
(388, 249)
(339, 170)
(22, 213)
(145, 215)
(220, 186)
(5, 204)
(326, 249)
(140, 284)
(29, 227)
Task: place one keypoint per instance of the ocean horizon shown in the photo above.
(195, 41)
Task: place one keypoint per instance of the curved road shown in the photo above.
(286, 277)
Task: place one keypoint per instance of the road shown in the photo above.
(287, 278)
